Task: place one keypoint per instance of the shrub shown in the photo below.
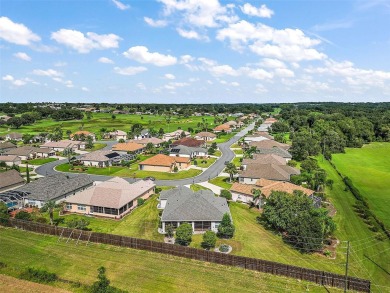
(327, 253)
(209, 240)
(226, 228)
(184, 234)
(170, 231)
(40, 276)
(23, 215)
(226, 194)
(140, 201)
(2, 265)
(224, 248)
(195, 162)
(41, 220)
(175, 169)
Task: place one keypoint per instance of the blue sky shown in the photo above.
(194, 51)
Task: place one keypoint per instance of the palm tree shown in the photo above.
(257, 197)
(231, 169)
(50, 206)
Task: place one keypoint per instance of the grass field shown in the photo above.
(369, 170)
(224, 137)
(133, 172)
(236, 161)
(238, 152)
(96, 146)
(369, 257)
(133, 270)
(122, 122)
(221, 182)
(197, 187)
(40, 161)
(206, 164)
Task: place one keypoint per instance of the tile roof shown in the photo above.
(15, 135)
(185, 205)
(55, 186)
(184, 150)
(22, 151)
(145, 141)
(113, 193)
(164, 160)
(62, 144)
(189, 142)
(7, 145)
(10, 158)
(265, 159)
(275, 150)
(99, 156)
(269, 144)
(222, 127)
(205, 134)
(10, 178)
(44, 150)
(243, 188)
(269, 171)
(270, 120)
(127, 147)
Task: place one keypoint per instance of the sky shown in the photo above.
(194, 51)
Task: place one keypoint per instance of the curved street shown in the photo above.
(213, 171)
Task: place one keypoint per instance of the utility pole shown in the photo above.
(346, 269)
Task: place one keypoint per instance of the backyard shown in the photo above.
(40, 161)
(221, 182)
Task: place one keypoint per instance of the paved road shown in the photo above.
(213, 171)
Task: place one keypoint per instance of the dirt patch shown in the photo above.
(12, 285)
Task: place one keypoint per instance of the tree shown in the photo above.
(27, 138)
(257, 197)
(226, 194)
(23, 215)
(329, 183)
(170, 231)
(184, 234)
(15, 122)
(113, 116)
(211, 151)
(89, 144)
(121, 140)
(27, 174)
(226, 228)
(102, 284)
(209, 240)
(4, 216)
(150, 147)
(231, 169)
(50, 206)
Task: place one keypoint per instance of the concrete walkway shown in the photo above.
(214, 188)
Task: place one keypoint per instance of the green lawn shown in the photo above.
(369, 170)
(236, 161)
(217, 153)
(96, 146)
(40, 161)
(133, 172)
(132, 270)
(224, 137)
(197, 187)
(351, 227)
(221, 182)
(206, 164)
(104, 120)
(238, 152)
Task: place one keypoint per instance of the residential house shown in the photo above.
(14, 136)
(128, 148)
(145, 141)
(259, 159)
(269, 144)
(254, 172)
(143, 134)
(190, 152)
(233, 124)
(113, 198)
(10, 179)
(223, 128)
(44, 152)
(23, 152)
(117, 135)
(276, 151)
(163, 163)
(270, 120)
(205, 136)
(82, 134)
(175, 135)
(258, 136)
(6, 146)
(11, 160)
(100, 158)
(60, 146)
(264, 127)
(188, 142)
(202, 209)
(244, 192)
(55, 187)
(5, 118)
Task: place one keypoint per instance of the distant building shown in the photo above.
(82, 133)
(175, 135)
(117, 135)
(100, 158)
(205, 136)
(128, 148)
(254, 172)
(11, 160)
(10, 179)
(6, 146)
(188, 142)
(190, 152)
(14, 136)
(163, 163)
(223, 128)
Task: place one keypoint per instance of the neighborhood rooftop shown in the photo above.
(269, 171)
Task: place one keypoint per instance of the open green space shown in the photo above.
(221, 182)
(122, 122)
(237, 161)
(224, 137)
(205, 163)
(369, 258)
(197, 187)
(238, 152)
(132, 172)
(40, 161)
(96, 146)
(133, 270)
(369, 170)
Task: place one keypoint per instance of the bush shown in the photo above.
(40, 276)
(226, 194)
(226, 228)
(41, 220)
(170, 231)
(195, 162)
(209, 240)
(224, 248)
(2, 265)
(23, 215)
(176, 169)
(184, 234)
(140, 201)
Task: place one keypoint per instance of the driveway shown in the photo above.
(213, 171)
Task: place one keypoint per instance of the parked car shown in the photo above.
(150, 178)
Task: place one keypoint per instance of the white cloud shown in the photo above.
(286, 44)
(141, 54)
(22, 56)
(235, 84)
(120, 5)
(260, 89)
(155, 23)
(141, 86)
(105, 60)
(272, 63)
(85, 43)
(262, 11)
(85, 89)
(19, 82)
(223, 70)
(16, 33)
(256, 73)
(284, 72)
(8, 77)
(60, 64)
(48, 72)
(129, 70)
(174, 85)
(191, 34)
(169, 76)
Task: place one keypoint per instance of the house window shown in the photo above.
(68, 206)
(81, 207)
(99, 210)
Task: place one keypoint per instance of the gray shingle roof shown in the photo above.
(185, 150)
(7, 145)
(276, 151)
(185, 205)
(55, 186)
(269, 171)
(10, 178)
(22, 151)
